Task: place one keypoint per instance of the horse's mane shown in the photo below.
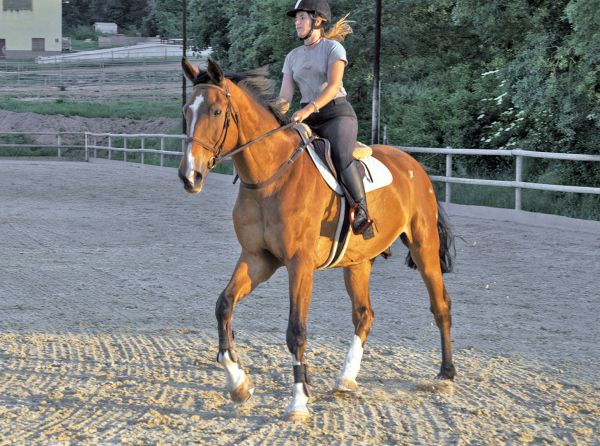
(255, 82)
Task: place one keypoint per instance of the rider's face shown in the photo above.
(303, 24)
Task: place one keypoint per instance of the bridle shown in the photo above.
(217, 148)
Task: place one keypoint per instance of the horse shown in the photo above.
(285, 215)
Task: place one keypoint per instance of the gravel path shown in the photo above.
(108, 277)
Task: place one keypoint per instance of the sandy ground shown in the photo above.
(28, 122)
(108, 278)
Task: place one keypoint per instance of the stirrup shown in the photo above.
(364, 226)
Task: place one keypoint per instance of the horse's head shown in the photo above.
(211, 124)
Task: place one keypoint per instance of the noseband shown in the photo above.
(217, 148)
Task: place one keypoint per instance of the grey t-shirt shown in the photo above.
(308, 67)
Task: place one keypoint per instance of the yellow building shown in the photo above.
(30, 28)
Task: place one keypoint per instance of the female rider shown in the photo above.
(317, 68)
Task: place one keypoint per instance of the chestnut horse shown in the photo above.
(285, 215)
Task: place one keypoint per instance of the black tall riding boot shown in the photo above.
(353, 182)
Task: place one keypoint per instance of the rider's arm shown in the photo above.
(286, 94)
(287, 88)
(335, 74)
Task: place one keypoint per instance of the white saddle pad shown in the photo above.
(381, 175)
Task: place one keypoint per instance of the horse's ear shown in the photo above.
(215, 72)
(190, 70)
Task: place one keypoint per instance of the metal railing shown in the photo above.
(517, 184)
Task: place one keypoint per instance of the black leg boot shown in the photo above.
(353, 182)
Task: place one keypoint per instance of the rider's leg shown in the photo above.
(341, 132)
(352, 179)
(337, 122)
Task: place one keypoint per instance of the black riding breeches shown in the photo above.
(337, 122)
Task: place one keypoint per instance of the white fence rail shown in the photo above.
(109, 142)
(517, 184)
(123, 143)
(45, 140)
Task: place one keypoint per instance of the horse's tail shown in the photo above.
(447, 250)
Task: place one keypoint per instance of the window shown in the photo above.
(38, 44)
(17, 5)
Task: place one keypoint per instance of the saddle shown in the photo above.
(375, 176)
(375, 173)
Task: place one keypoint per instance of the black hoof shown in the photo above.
(447, 371)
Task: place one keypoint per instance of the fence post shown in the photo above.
(109, 147)
(125, 147)
(95, 146)
(518, 179)
(449, 175)
(143, 145)
(58, 143)
(87, 156)
(162, 149)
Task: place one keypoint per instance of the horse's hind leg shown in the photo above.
(250, 271)
(425, 254)
(300, 273)
(356, 278)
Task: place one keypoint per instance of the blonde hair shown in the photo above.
(340, 30)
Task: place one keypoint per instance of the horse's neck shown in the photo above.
(259, 161)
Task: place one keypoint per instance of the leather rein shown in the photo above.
(217, 148)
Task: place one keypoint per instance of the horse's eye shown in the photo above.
(217, 112)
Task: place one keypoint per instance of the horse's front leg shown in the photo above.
(300, 272)
(356, 278)
(250, 271)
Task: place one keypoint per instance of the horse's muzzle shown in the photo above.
(193, 182)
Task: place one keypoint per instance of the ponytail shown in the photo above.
(340, 30)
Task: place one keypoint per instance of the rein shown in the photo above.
(217, 148)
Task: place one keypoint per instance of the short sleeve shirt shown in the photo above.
(308, 67)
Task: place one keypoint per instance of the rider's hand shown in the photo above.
(282, 105)
(303, 113)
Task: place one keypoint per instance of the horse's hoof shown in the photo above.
(447, 372)
(345, 385)
(242, 392)
(297, 416)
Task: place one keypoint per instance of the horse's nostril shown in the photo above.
(197, 176)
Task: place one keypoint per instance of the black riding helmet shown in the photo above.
(313, 7)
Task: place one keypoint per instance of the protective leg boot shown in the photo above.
(359, 216)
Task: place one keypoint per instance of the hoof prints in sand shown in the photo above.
(166, 386)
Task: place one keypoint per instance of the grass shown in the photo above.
(105, 109)
(84, 45)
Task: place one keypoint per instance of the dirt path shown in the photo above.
(108, 278)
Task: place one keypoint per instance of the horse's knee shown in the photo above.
(441, 314)
(296, 337)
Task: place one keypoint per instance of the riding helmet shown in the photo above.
(318, 7)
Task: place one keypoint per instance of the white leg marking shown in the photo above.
(347, 379)
(297, 409)
(234, 374)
